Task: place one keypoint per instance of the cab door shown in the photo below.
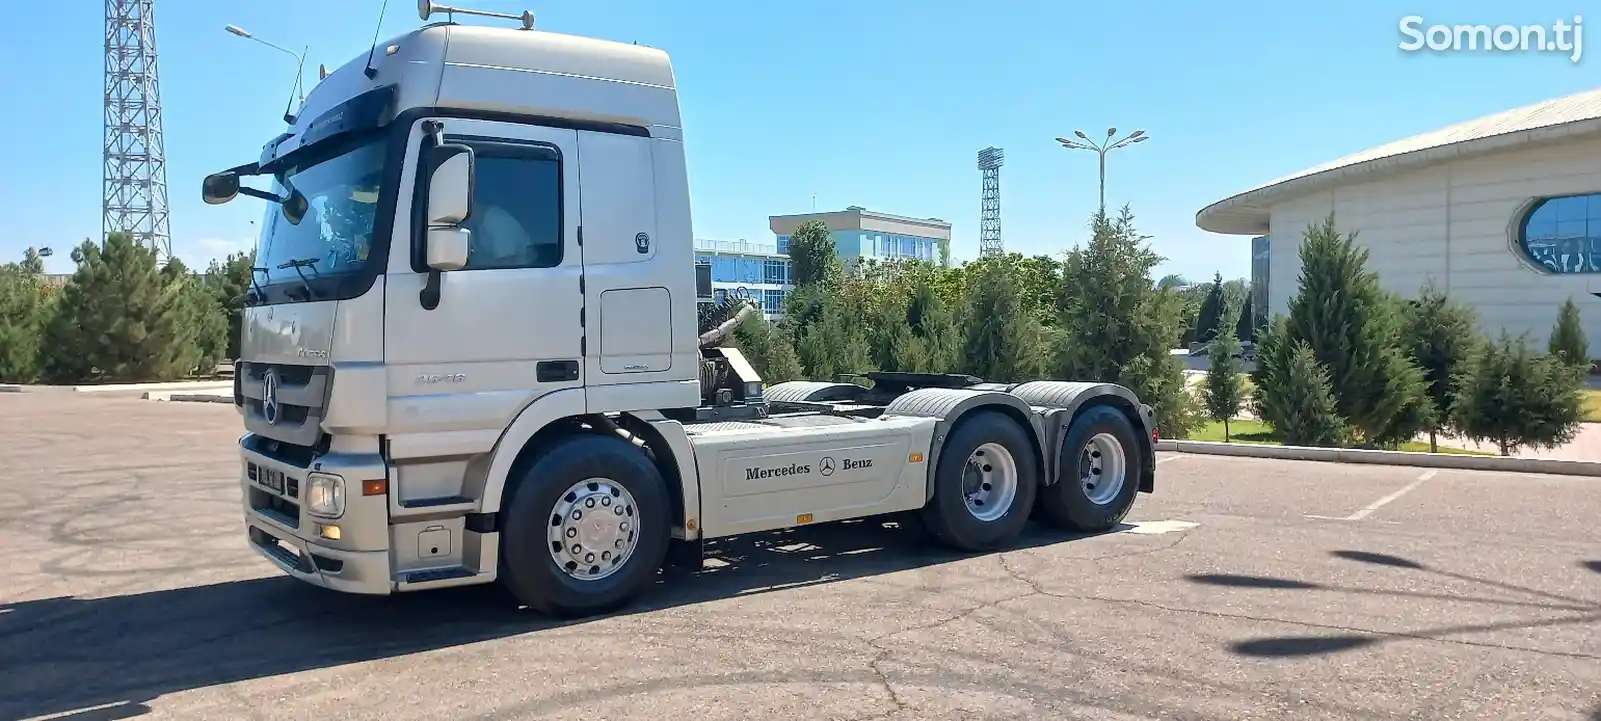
(507, 327)
(639, 282)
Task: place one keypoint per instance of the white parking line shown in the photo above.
(1157, 528)
(1382, 502)
(1165, 459)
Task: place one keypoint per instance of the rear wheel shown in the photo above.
(1098, 473)
(586, 528)
(984, 484)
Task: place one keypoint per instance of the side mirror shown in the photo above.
(450, 184)
(219, 188)
(449, 168)
(447, 248)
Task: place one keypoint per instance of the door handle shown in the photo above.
(556, 371)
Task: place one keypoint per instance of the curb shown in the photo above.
(1387, 458)
(172, 386)
(10, 388)
(186, 397)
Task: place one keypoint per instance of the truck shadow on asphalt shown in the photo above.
(99, 659)
(1575, 611)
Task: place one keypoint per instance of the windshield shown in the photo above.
(335, 236)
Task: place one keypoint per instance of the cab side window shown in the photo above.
(516, 217)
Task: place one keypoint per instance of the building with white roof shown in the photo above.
(1504, 212)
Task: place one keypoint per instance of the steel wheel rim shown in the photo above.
(593, 529)
(989, 482)
(1103, 469)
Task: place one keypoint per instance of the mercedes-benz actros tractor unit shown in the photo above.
(471, 351)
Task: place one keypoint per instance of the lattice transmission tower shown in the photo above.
(135, 178)
(990, 161)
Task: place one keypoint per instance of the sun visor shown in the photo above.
(370, 110)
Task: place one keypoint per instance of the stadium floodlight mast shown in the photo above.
(1105, 146)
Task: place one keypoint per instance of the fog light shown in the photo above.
(328, 531)
(325, 495)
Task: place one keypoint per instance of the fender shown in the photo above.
(950, 405)
(685, 482)
(534, 418)
(1073, 396)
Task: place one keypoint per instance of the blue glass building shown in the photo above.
(759, 270)
(1260, 266)
(762, 270)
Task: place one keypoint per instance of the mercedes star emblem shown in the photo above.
(269, 397)
(826, 466)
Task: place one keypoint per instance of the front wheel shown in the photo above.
(1098, 473)
(586, 528)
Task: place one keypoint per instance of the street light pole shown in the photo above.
(300, 64)
(1100, 149)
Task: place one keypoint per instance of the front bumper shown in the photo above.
(282, 531)
(348, 571)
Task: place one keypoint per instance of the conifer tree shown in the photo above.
(912, 329)
(202, 321)
(1002, 342)
(25, 304)
(1245, 327)
(1211, 310)
(1294, 394)
(1515, 399)
(1115, 324)
(1567, 338)
(1354, 329)
(1441, 335)
(1224, 391)
(230, 281)
(812, 255)
(769, 349)
(119, 318)
(836, 342)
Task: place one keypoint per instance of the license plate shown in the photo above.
(271, 479)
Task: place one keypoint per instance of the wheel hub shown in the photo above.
(1102, 468)
(593, 529)
(989, 482)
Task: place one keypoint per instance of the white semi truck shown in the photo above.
(471, 352)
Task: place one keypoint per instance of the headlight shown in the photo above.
(325, 495)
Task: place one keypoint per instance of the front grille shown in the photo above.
(301, 396)
(287, 415)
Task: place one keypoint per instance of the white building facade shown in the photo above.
(1503, 212)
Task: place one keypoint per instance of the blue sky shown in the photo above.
(879, 103)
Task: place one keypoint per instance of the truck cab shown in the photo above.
(475, 278)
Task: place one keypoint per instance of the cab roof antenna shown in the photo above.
(369, 70)
(426, 8)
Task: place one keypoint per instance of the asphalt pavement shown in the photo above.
(1242, 589)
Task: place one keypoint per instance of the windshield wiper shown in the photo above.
(297, 264)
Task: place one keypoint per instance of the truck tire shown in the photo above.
(984, 484)
(586, 528)
(1098, 473)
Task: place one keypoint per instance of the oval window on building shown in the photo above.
(1563, 234)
